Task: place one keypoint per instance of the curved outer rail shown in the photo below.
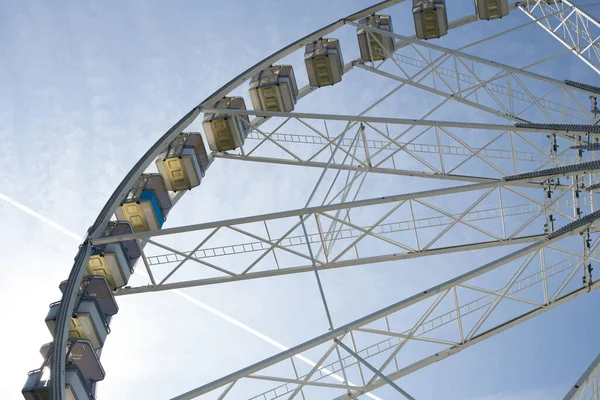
(70, 294)
(69, 298)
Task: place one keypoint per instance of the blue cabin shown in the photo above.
(147, 204)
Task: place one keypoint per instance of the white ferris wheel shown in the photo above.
(497, 168)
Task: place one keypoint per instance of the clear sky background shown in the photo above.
(86, 87)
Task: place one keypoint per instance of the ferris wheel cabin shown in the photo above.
(274, 89)
(184, 162)
(491, 9)
(374, 46)
(97, 287)
(431, 20)
(87, 322)
(115, 261)
(37, 386)
(93, 312)
(83, 370)
(146, 205)
(324, 62)
(225, 131)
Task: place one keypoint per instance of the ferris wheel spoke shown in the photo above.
(569, 25)
(526, 259)
(379, 148)
(520, 127)
(394, 170)
(349, 233)
(353, 237)
(350, 262)
(502, 106)
(456, 53)
(533, 178)
(471, 73)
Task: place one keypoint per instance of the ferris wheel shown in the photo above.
(500, 158)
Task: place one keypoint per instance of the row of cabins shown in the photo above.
(145, 208)
(182, 166)
(275, 88)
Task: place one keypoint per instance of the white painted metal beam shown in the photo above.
(467, 56)
(389, 120)
(570, 26)
(328, 265)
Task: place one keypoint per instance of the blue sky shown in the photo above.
(87, 87)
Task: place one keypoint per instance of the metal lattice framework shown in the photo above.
(587, 387)
(568, 24)
(524, 178)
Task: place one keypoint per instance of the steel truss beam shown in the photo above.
(347, 233)
(394, 171)
(492, 184)
(351, 233)
(463, 81)
(588, 386)
(379, 127)
(383, 159)
(421, 147)
(439, 321)
(502, 106)
(359, 168)
(359, 261)
(348, 236)
(569, 25)
(467, 337)
(394, 121)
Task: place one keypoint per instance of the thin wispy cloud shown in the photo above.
(40, 217)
